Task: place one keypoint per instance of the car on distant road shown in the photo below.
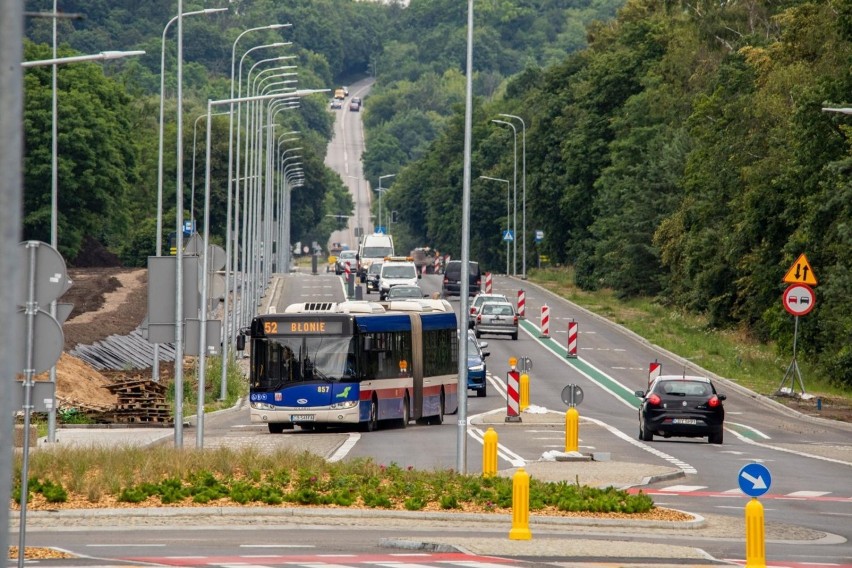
(681, 406)
(336, 104)
(404, 291)
(451, 284)
(396, 271)
(345, 256)
(355, 104)
(481, 299)
(476, 367)
(496, 318)
(372, 279)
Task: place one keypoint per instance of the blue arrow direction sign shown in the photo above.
(754, 479)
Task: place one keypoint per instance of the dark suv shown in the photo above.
(452, 278)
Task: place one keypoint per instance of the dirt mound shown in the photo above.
(94, 254)
(107, 301)
(79, 385)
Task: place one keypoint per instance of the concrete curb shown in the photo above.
(251, 514)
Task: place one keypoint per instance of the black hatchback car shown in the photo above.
(681, 406)
(451, 285)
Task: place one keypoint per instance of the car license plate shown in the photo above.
(302, 418)
(687, 421)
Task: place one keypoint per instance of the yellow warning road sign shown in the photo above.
(801, 272)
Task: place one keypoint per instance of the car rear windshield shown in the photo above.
(399, 272)
(684, 388)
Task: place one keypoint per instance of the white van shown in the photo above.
(373, 248)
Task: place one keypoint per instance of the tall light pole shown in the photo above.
(523, 192)
(380, 195)
(841, 110)
(54, 175)
(155, 365)
(461, 431)
(162, 111)
(202, 342)
(359, 228)
(11, 205)
(514, 197)
(508, 215)
(192, 183)
(242, 201)
(229, 324)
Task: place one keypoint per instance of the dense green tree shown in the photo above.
(97, 156)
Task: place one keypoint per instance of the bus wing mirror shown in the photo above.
(241, 342)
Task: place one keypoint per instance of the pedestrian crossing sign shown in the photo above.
(508, 236)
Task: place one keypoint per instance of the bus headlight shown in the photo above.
(344, 405)
(477, 368)
(262, 406)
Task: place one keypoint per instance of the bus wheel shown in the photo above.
(406, 417)
(373, 423)
(279, 427)
(438, 418)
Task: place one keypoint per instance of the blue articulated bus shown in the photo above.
(355, 363)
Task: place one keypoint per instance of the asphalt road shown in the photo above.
(809, 459)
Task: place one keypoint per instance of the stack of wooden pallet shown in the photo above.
(140, 401)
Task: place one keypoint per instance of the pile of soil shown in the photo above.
(107, 301)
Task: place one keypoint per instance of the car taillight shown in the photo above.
(479, 319)
(654, 399)
(446, 280)
(515, 320)
(713, 402)
(472, 311)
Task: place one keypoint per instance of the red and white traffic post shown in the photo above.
(350, 281)
(522, 307)
(545, 321)
(513, 392)
(487, 282)
(654, 370)
(572, 339)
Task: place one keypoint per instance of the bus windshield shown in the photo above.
(285, 360)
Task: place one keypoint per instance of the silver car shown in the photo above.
(496, 318)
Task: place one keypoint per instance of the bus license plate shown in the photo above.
(688, 421)
(302, 418)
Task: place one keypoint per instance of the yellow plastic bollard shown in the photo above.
(525, 391)
(572, 430)
(755, 536)
(520, 506)
(489, 453)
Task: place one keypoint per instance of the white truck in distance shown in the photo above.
(373, 248)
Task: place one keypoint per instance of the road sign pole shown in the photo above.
(793, 368)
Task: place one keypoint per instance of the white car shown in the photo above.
(395, 271)
(481, 299)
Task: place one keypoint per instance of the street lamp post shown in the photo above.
(380, 195)
(523, 192)
(229, 325)
(192, 183)
(54, 175)
(242, 235)
(155, 368)
(514, 198)
(202, 342)
(508, 217)
(359, 228)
